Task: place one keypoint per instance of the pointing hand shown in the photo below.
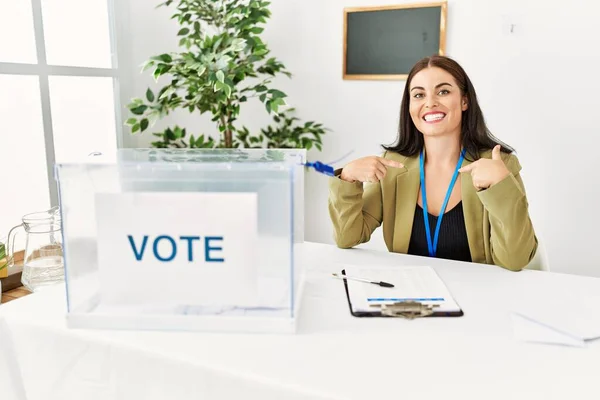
(486, 172)
(368, 169)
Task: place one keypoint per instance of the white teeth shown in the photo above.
(434, 117)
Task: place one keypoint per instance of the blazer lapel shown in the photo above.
(407, 194)
(473, 211)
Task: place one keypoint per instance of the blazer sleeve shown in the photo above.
(512, 237)
(355, 211)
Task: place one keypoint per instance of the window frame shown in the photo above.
(44, 71)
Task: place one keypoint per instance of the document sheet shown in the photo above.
(418, 283)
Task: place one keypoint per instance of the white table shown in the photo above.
(333, 355)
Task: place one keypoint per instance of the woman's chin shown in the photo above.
(434, 131)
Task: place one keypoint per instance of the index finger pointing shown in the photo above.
(391, 163)
(467, 168)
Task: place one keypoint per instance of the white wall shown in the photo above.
(537, 86)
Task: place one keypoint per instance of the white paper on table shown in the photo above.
(417, 283)
(529, 330)
(565, 319)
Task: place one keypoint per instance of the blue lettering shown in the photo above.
(173, 248)
(208, 249)
(140, 254)
(189, 240)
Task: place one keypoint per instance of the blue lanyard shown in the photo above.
(432, 247)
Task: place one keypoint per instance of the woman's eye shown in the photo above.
(444, 92)
(418, 95)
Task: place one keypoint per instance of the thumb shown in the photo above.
(391, 163)
(496, 153)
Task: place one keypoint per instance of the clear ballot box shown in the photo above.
(183, 239)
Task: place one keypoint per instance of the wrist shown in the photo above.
(502, 177)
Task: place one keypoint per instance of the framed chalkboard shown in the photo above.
(385, 42)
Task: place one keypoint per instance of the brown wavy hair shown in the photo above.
(476, 137)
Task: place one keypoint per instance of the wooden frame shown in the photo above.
(348, 10)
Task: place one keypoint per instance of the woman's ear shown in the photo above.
(464, 104)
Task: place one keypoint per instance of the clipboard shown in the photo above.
(413, 305)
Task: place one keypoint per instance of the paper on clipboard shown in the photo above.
(416, 283)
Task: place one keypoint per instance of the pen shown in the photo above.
(380, 283)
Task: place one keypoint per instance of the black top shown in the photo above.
(452, 242)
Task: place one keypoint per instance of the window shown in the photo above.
(58, 96)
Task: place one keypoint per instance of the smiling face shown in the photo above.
(436, 103)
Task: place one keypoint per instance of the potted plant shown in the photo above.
(223, 64)
(3, 261)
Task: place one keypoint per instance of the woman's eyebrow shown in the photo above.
(436, 86)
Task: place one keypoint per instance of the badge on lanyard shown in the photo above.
(432, 244)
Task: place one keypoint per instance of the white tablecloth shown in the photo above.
(333, 355)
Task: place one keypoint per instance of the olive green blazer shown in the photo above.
(499, 229)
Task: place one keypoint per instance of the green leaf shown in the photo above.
(139, 110)
(143, 124)
(217, 43)
(256, 30)
(279, 102)
(275, 103)
(149, 96)
(277, 93)
(147, 65)
(178, 132)
(157, 73)
(153, 117)
(167, 93)
(220, 76)
(163, 57)
(135, 128)
(131, 121)
(183, 31)
(227, 89)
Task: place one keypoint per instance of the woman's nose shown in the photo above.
(431, 102)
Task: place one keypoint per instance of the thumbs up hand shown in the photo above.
(486, 172)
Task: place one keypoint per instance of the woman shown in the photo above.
(447, 188)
